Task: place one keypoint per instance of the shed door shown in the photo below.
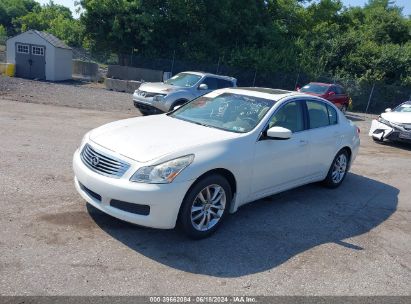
(30, 61)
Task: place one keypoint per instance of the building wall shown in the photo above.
(63, 66)
(32, 38)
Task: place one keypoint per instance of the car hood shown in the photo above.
(157, 87)
(397, 117)
(148, 138)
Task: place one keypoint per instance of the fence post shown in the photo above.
(255, 75)
(296, 81)
(172, 63)
(369, 98)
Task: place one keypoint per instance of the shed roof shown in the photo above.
(53, 40)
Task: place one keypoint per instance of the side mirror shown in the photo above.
(203, 86)
(388, 110)
(279, 133)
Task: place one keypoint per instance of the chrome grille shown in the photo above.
(103, 164)
(146, 94)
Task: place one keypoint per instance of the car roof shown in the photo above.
(266, 93)
(326, 84)
(322, 83)
(266, 90)
(199, 73)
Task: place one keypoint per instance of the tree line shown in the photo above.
(370, 43)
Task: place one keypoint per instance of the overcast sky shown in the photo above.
(406, 4)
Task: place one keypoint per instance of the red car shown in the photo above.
(332, 92)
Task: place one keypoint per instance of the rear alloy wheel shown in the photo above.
(344, 109)
(205, 206)
(338, 170)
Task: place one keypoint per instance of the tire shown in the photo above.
(192, 222)
(344, 109)
(338, 170)
(143, 113)
(177, 103)
(377, 140)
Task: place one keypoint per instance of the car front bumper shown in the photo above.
(130, 201)
(148, 105)
(380, 131)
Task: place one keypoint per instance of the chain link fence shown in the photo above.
(367, 97)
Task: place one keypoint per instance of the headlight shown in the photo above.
(382, 120)
(163, 173)
(158, 97)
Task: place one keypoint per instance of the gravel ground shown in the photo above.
(75, 94)
(354, 240)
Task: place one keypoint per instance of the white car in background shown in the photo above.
(393, 125)
(214, 154)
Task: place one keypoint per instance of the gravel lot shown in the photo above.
(74, 94)
(355, 240)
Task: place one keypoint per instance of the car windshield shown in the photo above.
(405, 107)
(183, 80)
(314, 88)
(228, 111)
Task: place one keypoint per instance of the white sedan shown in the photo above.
(393, 125)
(192, 166)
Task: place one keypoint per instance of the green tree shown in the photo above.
(12, 9)
(55, 19)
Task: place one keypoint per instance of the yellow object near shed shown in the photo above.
(7, 69)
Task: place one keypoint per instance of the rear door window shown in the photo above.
(222, 83)
(211, 83)
(332, 115)
(334, 89)
(318, 114)
(338, 90)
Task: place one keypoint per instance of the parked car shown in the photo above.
(393, 125)
(160, 97)
(332, 92)
(212, 155)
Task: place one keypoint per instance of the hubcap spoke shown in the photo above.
(208, 194)
(215, 215)
(201, 197)
(200, 225)
(195, 208)
(217, 199)
(208, 219)
(198, 216)
(217, 207)
(217, 191)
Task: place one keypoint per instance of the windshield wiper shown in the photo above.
(200, 123)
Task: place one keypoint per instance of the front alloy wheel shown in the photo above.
(208, 207)
(205, 206)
